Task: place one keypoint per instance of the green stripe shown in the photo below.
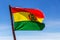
(28, 25)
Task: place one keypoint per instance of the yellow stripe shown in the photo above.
(23, 16)
(40, 19)
(20, 16)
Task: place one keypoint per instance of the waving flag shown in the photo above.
(27, 19)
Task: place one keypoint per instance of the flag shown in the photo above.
(27, 18)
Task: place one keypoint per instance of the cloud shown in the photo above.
(52, 23)
(47, 36)
(4, 26)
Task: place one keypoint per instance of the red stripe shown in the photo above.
(36, 12)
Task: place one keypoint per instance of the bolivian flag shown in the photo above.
(27, 19)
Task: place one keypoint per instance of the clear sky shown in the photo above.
(51, 9)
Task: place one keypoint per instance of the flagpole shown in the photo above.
(12, 23)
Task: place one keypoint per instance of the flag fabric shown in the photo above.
(27, 19)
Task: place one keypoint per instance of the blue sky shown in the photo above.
(51, 9)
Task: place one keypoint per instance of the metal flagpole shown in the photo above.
(12, 23)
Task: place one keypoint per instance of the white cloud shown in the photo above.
(3, 27)
(46, 36)
(6, 38)
(52, 23)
